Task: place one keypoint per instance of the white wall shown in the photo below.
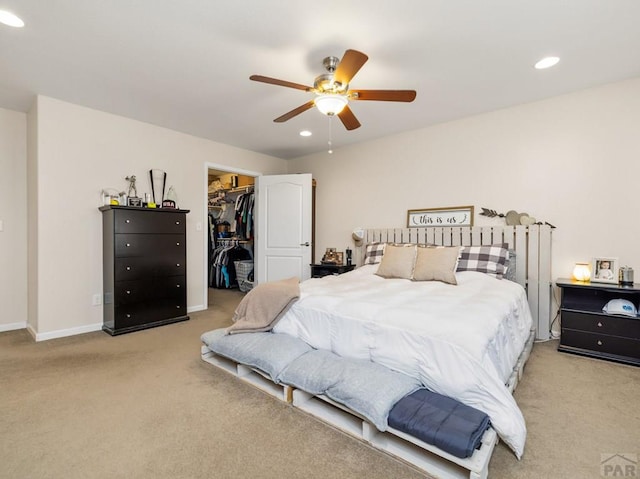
(573, 161)
(13, 215)
(80, 151)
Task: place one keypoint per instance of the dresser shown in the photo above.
(587, 330)
(144, 267)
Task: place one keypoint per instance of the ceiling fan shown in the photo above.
(332, 90)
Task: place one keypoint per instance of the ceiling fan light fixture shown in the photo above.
(330, 104)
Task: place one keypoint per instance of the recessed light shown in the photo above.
(547, 62)
(10, 19)
(305, 133)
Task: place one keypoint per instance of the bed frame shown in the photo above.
(532, 245)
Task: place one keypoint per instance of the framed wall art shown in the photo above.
(452, 216)
(604, 270)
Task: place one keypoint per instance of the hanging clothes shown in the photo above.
(244, 215)
(222, 272)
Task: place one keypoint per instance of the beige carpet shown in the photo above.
(144, 405)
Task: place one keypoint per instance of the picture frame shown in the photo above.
(439, 217)
(604, 270)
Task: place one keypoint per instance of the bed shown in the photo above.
(468, 341)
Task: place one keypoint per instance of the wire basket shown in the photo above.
(243, 268)
(244, 285)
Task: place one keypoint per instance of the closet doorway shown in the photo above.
(229, 229)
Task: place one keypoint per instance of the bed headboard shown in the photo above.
(532, 245)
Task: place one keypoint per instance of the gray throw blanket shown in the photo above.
(264, 305)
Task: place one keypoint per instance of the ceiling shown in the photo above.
(185, 64)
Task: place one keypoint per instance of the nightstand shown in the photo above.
(320, 270)
(587, 330)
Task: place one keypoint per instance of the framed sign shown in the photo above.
(453, 216)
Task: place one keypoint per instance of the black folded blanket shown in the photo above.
(441, 421)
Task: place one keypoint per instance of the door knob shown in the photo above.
(304, 244)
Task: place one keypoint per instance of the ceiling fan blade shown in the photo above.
(383, 95)
(275, 81)
(351, 62)
(348, 119)
(294, 112)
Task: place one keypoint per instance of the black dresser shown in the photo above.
(144, 267)
(587, 330)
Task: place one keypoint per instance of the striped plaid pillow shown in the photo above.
(374, 252)
(489, 259)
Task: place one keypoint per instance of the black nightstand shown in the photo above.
(320, 270)
(588, 331)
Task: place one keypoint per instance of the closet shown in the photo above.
(230, 204)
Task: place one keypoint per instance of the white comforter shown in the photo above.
(461, 341)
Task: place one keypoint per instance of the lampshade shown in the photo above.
(582, 272)
(330, 103)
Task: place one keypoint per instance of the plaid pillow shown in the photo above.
(374, 252)
(489, 259)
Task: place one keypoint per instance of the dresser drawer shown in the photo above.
(128, 316)
(601, 343)
(135, 221)
(172, 288)
(131, 268)
(155, 246)
(601, 324)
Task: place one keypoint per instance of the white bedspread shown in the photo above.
(461, 341)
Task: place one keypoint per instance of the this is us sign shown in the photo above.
(453, 216)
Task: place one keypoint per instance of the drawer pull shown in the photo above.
(599, 324)
(178, 307)
(177, 285)
(177, 222)
(128, 292)
(128, 268)
(178, 265)
(178, 244)
(128, 244)
(128, 315)
(599, 343)
(127, 221)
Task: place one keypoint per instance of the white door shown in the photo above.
(283, 229)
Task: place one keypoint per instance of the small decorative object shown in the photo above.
(452, 216)
(348, 252)
(158, 181)
(134, 201)
(513, 218)
(605, 270)
(171, 201)
(582, 272)
(330, 256)
(110, 196)
(133, 191)
(626, 276)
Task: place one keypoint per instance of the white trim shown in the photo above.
(12, 326)
(63, 333)
(205, 222)
(193, 309)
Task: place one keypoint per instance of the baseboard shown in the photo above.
(62, 333)
(193, 309)
(12, 326)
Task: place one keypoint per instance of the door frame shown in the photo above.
(205, 230)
